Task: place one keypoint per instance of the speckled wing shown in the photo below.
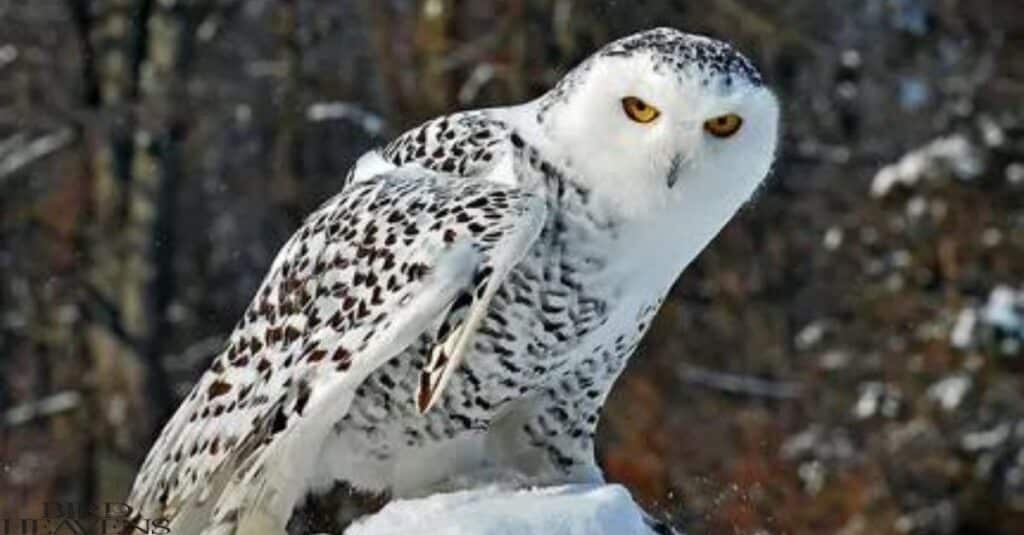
(376, 267)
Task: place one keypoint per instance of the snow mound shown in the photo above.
(563, 510)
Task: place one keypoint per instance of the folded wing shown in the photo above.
(364, 277)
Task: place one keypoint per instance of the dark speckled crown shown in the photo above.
(673, 51)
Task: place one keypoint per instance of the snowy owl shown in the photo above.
(463, 306)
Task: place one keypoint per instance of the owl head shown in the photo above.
(664, 125)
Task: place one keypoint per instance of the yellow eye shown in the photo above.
(724, 125)
(639, 110)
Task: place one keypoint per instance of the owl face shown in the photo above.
(666, 125)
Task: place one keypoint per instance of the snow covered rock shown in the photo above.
(563, 510)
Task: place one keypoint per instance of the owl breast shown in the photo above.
(555, 329)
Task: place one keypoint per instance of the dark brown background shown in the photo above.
(155, 154)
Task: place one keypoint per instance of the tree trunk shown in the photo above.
(287, 166)
(136, 58)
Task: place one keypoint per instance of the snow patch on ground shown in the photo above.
(563, 510)
(1005, 309)
(955, 154)
(1001, 318)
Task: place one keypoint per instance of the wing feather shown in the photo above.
(364, 276)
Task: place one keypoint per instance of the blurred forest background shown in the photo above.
(846, 358)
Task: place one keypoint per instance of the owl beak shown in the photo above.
(673, 171)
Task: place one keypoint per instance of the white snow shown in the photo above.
(962, 335)
(833, 238)
(1005, 309)
(878, 398)
(983, 440)
(1015, 173)
(946, 154)
(949, 392)
(810, 335)
(563, 510)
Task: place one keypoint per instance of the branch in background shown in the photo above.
(743, 385)
(287, 145)
(43, 408)
(212, 17)
(390, 96)
(370, 122)
(433, 37)
(8, 53)
(181, 366)
(8, 144)
(101, 310)
(194, 355)
(474, 51)
(481, 75)
(21, 154)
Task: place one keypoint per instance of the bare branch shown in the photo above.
(474, 51)
(10, 143)
(370, 122)
(17, 158)
(744, 385)
(42, 408)
(481, 75)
